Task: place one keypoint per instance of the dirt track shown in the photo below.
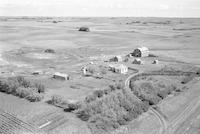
(163, 122)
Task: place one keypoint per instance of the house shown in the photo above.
(141, 52)
(61, 76)
(116, 59)
(138, 61)
(84, 29)
(119, 68)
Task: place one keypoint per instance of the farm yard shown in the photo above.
(117, 75)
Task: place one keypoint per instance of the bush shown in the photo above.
(23, 92)
(23, 88)
(56, 99)
(34, 97)
(98, 93)
(22, 81)
(90, 98)
(40, 88)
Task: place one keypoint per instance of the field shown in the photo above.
(166, 88)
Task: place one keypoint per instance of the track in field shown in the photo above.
(10, 124)
(49, 121)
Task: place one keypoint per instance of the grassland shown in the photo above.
(90, 103)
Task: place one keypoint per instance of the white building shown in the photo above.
(61, 76)
(141, 52)
(119, 68)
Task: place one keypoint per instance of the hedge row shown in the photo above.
(23, 88)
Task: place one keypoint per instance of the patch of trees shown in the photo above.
(108, 109)
(19, 86)
(152, 93)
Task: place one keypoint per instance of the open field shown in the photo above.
(171, 84)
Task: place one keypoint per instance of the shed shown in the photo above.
(198, 72)
(61, 76)
(141, 52)
(49, 51)
(119, 68)
(84, 29)
(138, 61)
(37, 72)
(116, 59)
(155, 62)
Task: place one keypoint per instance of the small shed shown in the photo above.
(61, 76)
(155, 62)
(49, 51)
(138, 61)
(84, 29)
(37, 72)
(116, 59)
(119, 68)
(141, 52)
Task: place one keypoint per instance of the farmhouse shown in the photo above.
(141, 52)
(116, 59)
(119, 68)
(138, 61)
(61, 76)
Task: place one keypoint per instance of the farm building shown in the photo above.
(119, 68)
(155, 62)
(49, 51)
(141, 52)
(198, 72)
(116, 59)
(61, 76)
(84, 29)
(38, 72)
(138, 61)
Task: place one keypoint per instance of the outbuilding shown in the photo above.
(37, 72)
(61, 76)
(155, 62)
(138, 61)
(116, 59)
(84, 29)
(119, 68)
(141, 52)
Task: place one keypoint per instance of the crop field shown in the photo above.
(49, 121)
(12, 125)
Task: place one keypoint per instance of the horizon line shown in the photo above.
(32, 16)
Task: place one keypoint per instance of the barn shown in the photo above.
(119, 68)
(141, 52)
(61, 76)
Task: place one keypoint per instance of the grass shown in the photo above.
(19, 86)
